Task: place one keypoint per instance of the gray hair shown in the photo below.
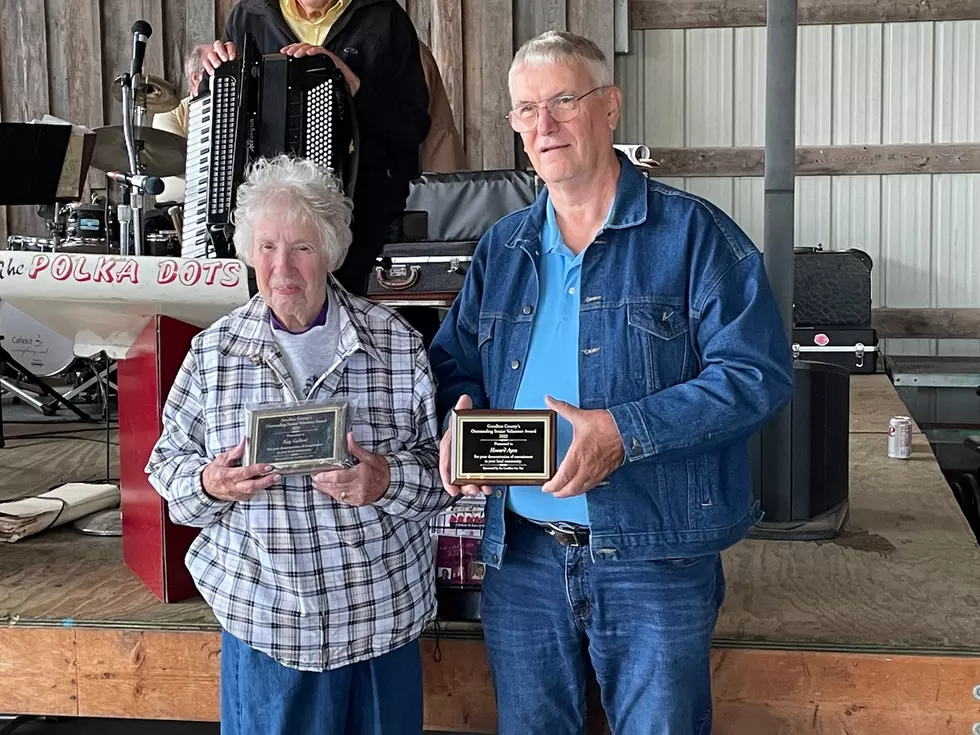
(557, 47)
(300, 191)
(194, 60)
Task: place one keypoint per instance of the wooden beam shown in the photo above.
(649, 14)
(929, 158)
(447, 48)
(926, 323)
(37, 671)
(143, 674)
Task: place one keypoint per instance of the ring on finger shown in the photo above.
(343, 496)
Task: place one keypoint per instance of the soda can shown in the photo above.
(900, 437)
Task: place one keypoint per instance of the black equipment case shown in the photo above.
(458, 208)
(854, 348)
(831, 287)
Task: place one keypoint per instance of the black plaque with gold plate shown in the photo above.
(503, 447)
(299, 438)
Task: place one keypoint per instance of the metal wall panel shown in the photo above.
(857, 84)
(906, 256)
(814, 67)
(957, 89)
(860, 84)
(956, 245)
(750, 86)
(708, 102)
(907, 73)
(718, 191)
(856, 222)
(747, 207)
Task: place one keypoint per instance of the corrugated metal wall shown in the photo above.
(874, 84)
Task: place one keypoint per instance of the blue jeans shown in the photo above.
(260, 696)
(646, 626)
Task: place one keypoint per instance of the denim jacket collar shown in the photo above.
(629, 207)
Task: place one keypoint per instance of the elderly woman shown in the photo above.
(323, 583)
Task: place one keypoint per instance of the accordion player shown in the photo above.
(258, 107)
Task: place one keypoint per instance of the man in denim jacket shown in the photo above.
(643, 316)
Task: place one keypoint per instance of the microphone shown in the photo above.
(150, 184)
(141, 31)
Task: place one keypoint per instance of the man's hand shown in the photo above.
(305, 49)
(445, 455)
(363, 484)
(224, 480)
(596, 450)
(220, 52)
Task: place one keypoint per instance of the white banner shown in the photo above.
(103, 302)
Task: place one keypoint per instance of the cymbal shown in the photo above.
(158, 95)
(163, 153)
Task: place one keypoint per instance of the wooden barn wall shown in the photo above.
(59, 57)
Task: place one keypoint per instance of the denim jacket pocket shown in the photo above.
(659, 334)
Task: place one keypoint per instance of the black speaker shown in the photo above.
(815, 504)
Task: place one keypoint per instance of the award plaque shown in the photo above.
(498, 447)
(300, 438)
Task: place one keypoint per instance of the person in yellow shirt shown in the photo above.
(176, 120)
(375, 46)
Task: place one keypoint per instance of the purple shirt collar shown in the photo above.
(319, 321)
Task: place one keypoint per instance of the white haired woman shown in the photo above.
(322, 584)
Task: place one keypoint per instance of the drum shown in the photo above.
(32, 244)
(37, 348)
(90, 223)
(163, 244)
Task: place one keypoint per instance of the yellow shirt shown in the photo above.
(313, 32)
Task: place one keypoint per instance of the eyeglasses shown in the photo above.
(562, 108)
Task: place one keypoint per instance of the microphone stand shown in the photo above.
(134, 111)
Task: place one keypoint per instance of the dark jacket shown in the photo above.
(377, 40)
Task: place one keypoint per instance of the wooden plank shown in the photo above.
(823, 160)
(3, 210)
(75, 67)
(24, 70)
(472, 128)
(420, 11)
(200, 23)
(117, 45)
(148, 675)
(594, 19)
(882, 585)
(37, 671)
(458, 693)
(927, 323)
(222, 9)
(648, 14)
(447, 48)
(534, 17)
(497, 137)
(175, 46)
(873, 402)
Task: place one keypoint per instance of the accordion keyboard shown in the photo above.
(210, 176)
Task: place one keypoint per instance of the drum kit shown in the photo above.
(134, 156)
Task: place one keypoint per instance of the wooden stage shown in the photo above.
(877, 631)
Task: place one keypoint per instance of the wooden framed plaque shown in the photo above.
(300, 438)
(503, 447)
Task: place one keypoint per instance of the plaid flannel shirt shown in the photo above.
(314, 583)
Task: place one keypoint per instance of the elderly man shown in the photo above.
(321, 583)
(642, 315)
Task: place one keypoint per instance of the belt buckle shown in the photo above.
(566, 536)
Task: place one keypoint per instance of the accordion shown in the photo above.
(259, 107)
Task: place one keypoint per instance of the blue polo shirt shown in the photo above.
(551, 367)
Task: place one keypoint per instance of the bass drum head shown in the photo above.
(37, 348)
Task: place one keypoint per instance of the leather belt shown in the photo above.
(566, 534)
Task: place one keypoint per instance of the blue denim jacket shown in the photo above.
(680, 339)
